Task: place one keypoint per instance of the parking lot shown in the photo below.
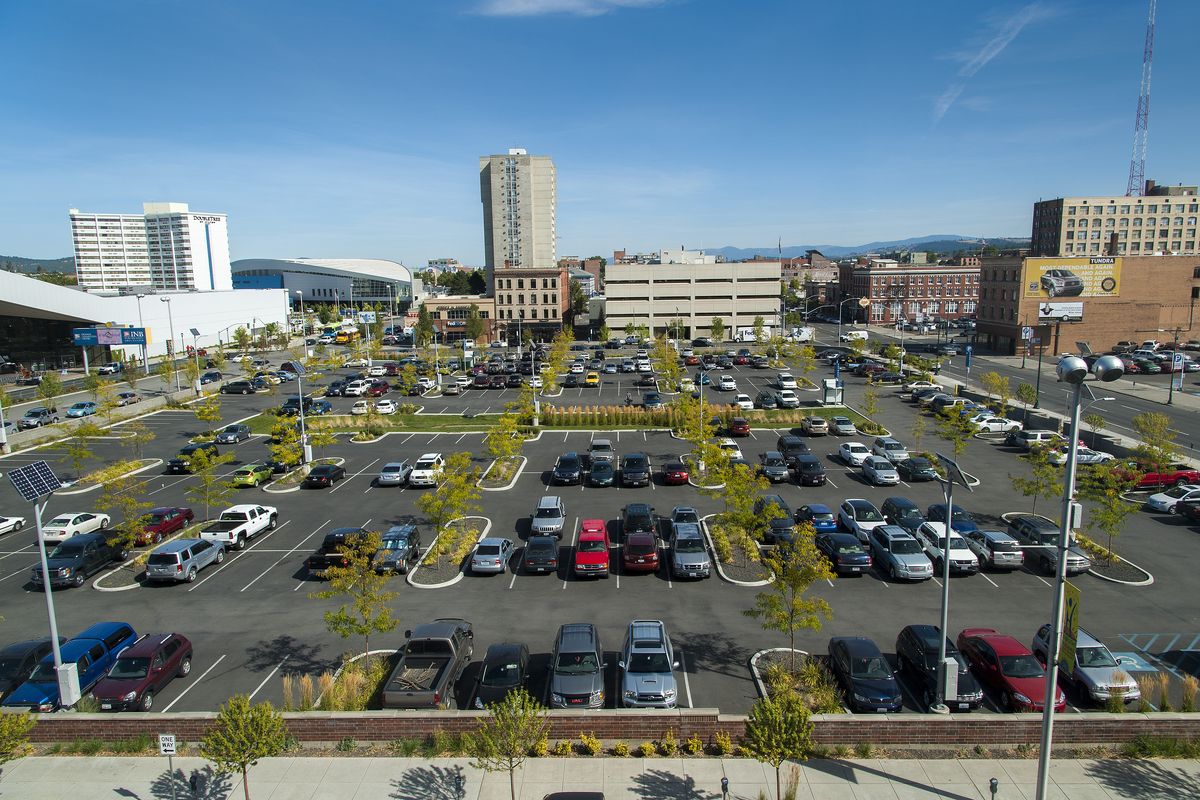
(251, 621)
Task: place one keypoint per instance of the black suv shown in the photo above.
(635, 470)
(568, 469)
(792, 447)
(183, 461)
(238, 387)
(809, 471)
(782, 526)
(75, 559)
(917, 655)
(637, 518)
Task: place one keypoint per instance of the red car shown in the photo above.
(739, 426)
(640, 553)
(1131, 366)
(378, 389)
(481, 381)
(162, 522)
(692, 361)
(1009, 667)
(591, 553)
(741, 361)
(142, 670)
(675, 473)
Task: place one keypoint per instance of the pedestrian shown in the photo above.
(628, 399)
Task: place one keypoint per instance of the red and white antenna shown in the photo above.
(1141, 123)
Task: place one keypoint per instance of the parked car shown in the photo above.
(792, 447)
(128, 398)
(399, 549)
(1170, 501)
(845, 553)
(960, 521)
(394, 473)
(637, 518)
(675, 472)
(492, 555)
(766, 400)
(917, 657)
(818, 515)
(775, 517)
(842, 426)
(591, 549)
(739, 426)
(333, 551)
(541, 554)
(182, 560)
(548, 517)
(568, 469)
(11, 524)
(324, 475)
(250, 475)
(648, 665)
(110, 368)
(859, 517)
(898, 554)
(92, 651)
(864, 675)
(504, 669)
(238, 387)
(601, 473)
(434, 657)
(773, 467)
(995, 549)
(689, 552)
(1010, 668)
(428, 470)
(75, 523)
(786, 398)
(635, 470)
(18, 660)
(84, 408)
(1096, 672)
(997, 424)
(932, 536)
(74, 560)
(182, 463)
(916, 468)
(240, 523)
(577, 667)
(815, 426)
(853, 454)
(878, 471)
(1039, 539)
(809, 471)
(889, 448)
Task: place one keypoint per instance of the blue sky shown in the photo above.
(672, 122)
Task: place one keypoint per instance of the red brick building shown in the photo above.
(903, 292)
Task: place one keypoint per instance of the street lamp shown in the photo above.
(1071, 370)
(142, 325)
(303, 318)
(196, 356)
(839, 308)
(954, 474)
(171, 322)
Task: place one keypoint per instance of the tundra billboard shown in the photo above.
(1052, 278)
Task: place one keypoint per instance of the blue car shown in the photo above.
(819, 515)
(962, 521)
(285, 375)
(84, 409)
(319, 407)
(93, 651)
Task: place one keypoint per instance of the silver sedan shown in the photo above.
(492, 555)
(878, 471)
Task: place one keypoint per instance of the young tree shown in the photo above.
(456, 497)
(1044, 480)
(165, 372)
(955, 428)
(366, 609)
(14, 735)
(870, 401)
(808, 359)
(242, 339)
(121, 499)
(1104, 484)
(209, 489)
(503, 439)
(50, 389)
(78, 447)
(760, 335)
(284, 443)
(778, 729)
(91, 384)
(666, 361)
(505, 739)
(604, 333)
(475, 326)
(784, 606)
(717, 325)
(1026, 394)
(423, 332)
(209, 412)
(139, 436)
(1096, 422)
(1157, 450)
(737, 524)
(243, 734)
(998, 386)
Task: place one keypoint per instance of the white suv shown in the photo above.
(784, 380)
(428, 470)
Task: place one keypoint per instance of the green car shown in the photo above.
(251, 475)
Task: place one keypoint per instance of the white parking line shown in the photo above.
(989, 580)
(24, 549)
(514, 579)
(355, 475)
(285, 555)
(270, 675)
(687, 686)
(192, 685)
(574, 536)
(234, 558)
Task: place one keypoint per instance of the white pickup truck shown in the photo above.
(237, 524)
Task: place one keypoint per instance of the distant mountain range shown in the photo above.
(935, 243)
(21, 264)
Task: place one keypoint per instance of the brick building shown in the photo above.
(899, 292)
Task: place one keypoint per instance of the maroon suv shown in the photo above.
(142, 670)
(162, 522)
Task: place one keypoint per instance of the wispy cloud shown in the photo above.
(974, 60)
(579, 8)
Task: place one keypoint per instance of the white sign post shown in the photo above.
(166, 747)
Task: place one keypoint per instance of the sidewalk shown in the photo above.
(350, 778)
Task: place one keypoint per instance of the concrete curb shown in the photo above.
(757, 676)
(154, 462)
(408, 578)
(717, 562)
(1147, 582)
(267, 488)
(137, 585)
(520, 469)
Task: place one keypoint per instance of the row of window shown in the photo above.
(892, 280)
(1135, 247)
(1151, 222)
(1162, 234)
(924, 291)
(549, 313)
(547, 283)
(547, 299)
(879, 311)
(1151, 208)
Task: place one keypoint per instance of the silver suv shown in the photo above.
(689, 555)
(577, 668)
(899, 554)
(1096, 670)
(548, 518)
(648, 666)
(1039, 538)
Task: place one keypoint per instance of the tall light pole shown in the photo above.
(142, 325)
(954, 474)
(196, 355)
(171, 322)
(1071, 370)
(303, 318)
(839, 308)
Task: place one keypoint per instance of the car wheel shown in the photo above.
(271, 523)
(147, 701)
(1180, 481)
(245, 391)
(1173, 510)
(892, 571)
(240, 544)
(18, 526)
(220, 555)
(927, 697)
(191, 575)
(79, 579)
(185, 666)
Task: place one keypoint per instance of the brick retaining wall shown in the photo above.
(915, 730)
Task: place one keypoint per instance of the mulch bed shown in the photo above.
(743, 569)
(1117, 570)
(501, 473)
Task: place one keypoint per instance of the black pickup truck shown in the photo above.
(75, 559)
(432, 661)
(331, 553)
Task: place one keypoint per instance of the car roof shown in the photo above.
(403, 529)
(94, 536)
(593, 527)
(840, 536)
(17, 649)
(495, 540)
(995, 536)
(857, 646)
(541, 540)
(859, 502)
(503, 651)
(176, 546)
(425, 456)
(900, 502)
(894, 532)
(1002, 643)
(576, 635)
(819, 508)
(100, 630)
(147, 645)
(687, 530)
(929, 637)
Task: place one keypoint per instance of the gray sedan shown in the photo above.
(878, 471)
(233, 434)
(492, 555)
(1096, 671)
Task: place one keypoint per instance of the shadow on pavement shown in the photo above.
(717, 652)
(1143, 780)
(300, 657)
(657, 783)
(845, 771)
(430, 783)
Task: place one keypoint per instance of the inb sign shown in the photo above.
(84, 337)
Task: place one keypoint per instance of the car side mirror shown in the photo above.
(621, 664)
(675, 664)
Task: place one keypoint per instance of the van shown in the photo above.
(182, 559)
(850, 336)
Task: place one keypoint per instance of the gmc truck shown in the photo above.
(237, 524)
(432, 661)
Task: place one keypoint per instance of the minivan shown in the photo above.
(182, 559)
(548, 517)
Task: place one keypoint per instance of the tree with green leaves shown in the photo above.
(423, 330)
(604, 333)
(365, 608)
(778, 729)
(284, 443)
(209, 488)
(1157, 450)
(955, 428)
(455, 497)
(1026, 394)
(919, 427)
(78, 447)
(717, 326)
(737, 524)
(503, 741)
(242, 339)
(556, 360)
(14, 735)
(579, 301)
(92, 383)
(1096, 422)
(475, 326)
(666, 362)
(122, 500)
(138, 435)
(503, 439)
(1103, 485)
(997, 386)
(209, 412)
(242, 735)
(784, 605)
(50, 389)
(760, 335)
(807, 355)
(1044, 480)
(870, 401)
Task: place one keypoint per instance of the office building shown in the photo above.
(1161, 222)
(167, 248)
(907, 292)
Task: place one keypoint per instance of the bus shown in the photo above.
(347, 336)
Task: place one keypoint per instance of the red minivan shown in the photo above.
(591, 551)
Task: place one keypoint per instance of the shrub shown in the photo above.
(590, 744)
(1146, 684)
(694, 745)
(620, 750)
(346, 745)
(563, 748)
(646, 749)
(864, 750)
(1164, 688)
(1190, 685)
(668, 745)
(406, 747)
(722, 744)
(1143, 746)
(541, 749)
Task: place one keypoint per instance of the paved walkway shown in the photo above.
(349, 778)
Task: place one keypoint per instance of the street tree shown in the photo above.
(503, 741)
(363, 590)
(1044, 480)
(242, 735)
(284, 443)
(242, 339)
(870, 401)
(579, 301)
(1157, 449)
(955, 428)
(1104, 485)
(666, 362)
(209, 412)
(209, 488)
(760, 335)
(475, 326)
(455, 497)
(503, 439)
(137, 436)
(717, 325)
(1096, 422)
(997, 385)
(122, 499)
(919, 427)
(423, 331)
(737, 525)
(50, 389)
(785, 605)
(778, 729)
(1026, 394)
(91, 384)
(604, 333)
(78, 447)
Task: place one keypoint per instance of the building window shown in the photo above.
(1124, 209)
(533, 313)
(1071, 209)
(521, 283)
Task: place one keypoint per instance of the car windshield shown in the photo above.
(592, 546)
(44, 673)
(487, 550)
(1025, 666)
(9, 667)
(127, 668)
(394, 542)
(392, 468)
(840, 420)
(547, 513)
(67, 550)
(893, 446)
(870, 667)
(919, 463)
(1179, 491)
(773, 462)
(648, 662)
(502, 674)
(568, 463)
(689, 544)
(686, 516)
(424, 465)
(601, 468)
(1094, 657)
(956, 543)
(906, 547)
(574, 663)
(867, 514)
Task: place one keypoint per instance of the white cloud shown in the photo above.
(533, 8)
(974, 60)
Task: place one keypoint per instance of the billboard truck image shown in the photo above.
(1050, 278)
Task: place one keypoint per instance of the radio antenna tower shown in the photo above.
(1141, 123)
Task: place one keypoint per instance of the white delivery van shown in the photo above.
(850, 336)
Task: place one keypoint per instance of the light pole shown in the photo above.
(1071, 370)
(196, 356)
(142, 325)
(303, 318)
(954, 474)
(839, 308)
(1175, 359)
(171, 322)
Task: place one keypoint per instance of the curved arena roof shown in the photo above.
(351, 267)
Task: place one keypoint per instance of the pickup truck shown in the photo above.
(330, 554)
(237, 524)
(1173, 475)
(432, 661)
(74, 560)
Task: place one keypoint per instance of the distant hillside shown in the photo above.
(935, 243)
(21, 264)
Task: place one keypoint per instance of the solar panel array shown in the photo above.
(34, 480)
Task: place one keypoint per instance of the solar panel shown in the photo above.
(34, 480)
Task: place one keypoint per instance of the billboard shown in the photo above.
(110, 336)
(1051, 278)
(1060, 312)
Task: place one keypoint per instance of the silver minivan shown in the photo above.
(549, 516)
(182, 559)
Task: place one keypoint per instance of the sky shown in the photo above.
(354, 129)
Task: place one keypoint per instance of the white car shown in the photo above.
(644, 366)
(1083, 455)
(786, 398)
(842, 426)
(384, 406)
(727, 384)
(853, 453)
(730, 447)
(464, 381)
(360, 407)
(686, 385)
(354, 362)
(1168, 501)
(995, 424)
(890, 449)
(428, 470)
(932, 536)
(11, 524)
(356, 388)
(377, 371)
(744, 402)
(878, 471)
(535, 381)
(784, 380)
(64, 526)
(577, 368)
(917, 386)
(426, 383)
